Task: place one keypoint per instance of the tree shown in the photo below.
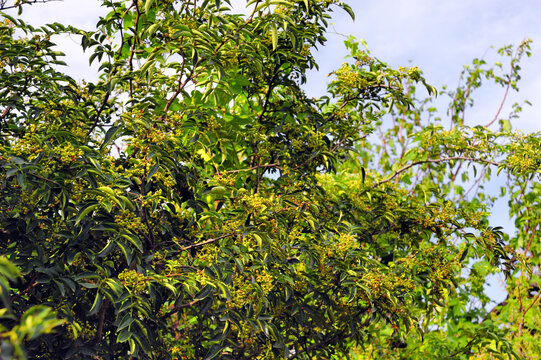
(425, 155)
(195, 203)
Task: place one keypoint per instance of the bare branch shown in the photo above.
(504, 96)
(209, 241)
(177, 308)
(433, 161)
(255, 167)
(28, 2)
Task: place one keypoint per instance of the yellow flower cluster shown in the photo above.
(223, 180)
(256, 203)
(68, 153)
(345, 242)
(265, 280)
(133, 281)
(349, 78)
(525, 157)
(84, 331)
(129, 221)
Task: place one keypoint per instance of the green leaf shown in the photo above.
(152, 29)
(348, 10)
(38, 320)
(113, 130)
(153, 171)
(274, 34)
(148, 5)
(123, 336)
(506, 125)
(411, 155)
(96, 306)
(205, 292)
(213, 351)
(8, 270)
(85, 211)
(134, 239)
(126, 321)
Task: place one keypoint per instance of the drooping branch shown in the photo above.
(134, 43)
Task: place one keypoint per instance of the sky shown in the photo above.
(437, 36)
(441, 36)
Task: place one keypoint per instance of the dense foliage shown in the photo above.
(195, 203)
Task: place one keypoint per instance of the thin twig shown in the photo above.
(274, 165)
(134, 40)
(504, 95)
(26, 3)
(181, 306)
(209, 241)
(6, 112)
(406, 167)
(44, 179)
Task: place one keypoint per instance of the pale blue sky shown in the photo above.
(438, 36)
(441, 36)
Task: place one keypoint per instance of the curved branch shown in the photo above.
(504, 96)
(433, 161)
(209, 241)
(177, 308)
(264, 166)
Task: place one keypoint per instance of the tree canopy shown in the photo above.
(196, 203)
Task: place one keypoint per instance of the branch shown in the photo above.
(531, 239)
(5, 112)
(101, 321)
(177, 308)
(267, 96)
(274, 165)
(98, 114)
(180, 87)
(537, 296)
(134, 40)
(31, 284)
(209, 241)
(504, 95)
(112, 72)
(44, 179)
(465, 350)
(401, 170)
(2, 7)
